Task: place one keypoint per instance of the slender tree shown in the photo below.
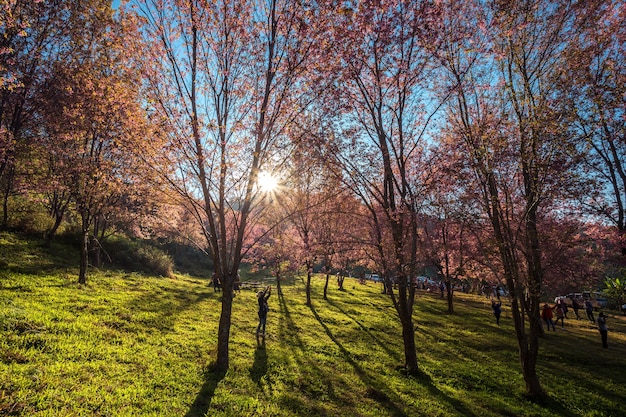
(594, 83)
(383, 52)
(512, 132)
(224, 80)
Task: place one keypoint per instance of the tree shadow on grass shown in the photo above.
(376, 389)
(371, 334)
(164, 306)
(201, 404)
(445, 398)
(290, 333)
(259, 367)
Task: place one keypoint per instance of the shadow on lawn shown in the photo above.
(164, 306)
(201, 404)
(376, 389)
(259, 367)
(371, 334)
(314, 379)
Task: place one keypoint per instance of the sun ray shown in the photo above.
(267, 182)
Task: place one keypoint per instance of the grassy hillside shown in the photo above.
(130, 345)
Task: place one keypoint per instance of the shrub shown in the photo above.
(156, 260)
(28, 216)
(189, 259)
(138, 255)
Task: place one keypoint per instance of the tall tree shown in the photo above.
(225, 79)
(594, 81)
(33, 36)
(92, 122)
(443, 234)
(383, 50)
(503, 77)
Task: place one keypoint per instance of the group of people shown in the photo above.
(548, 313)
(587, 305)
(559, 311)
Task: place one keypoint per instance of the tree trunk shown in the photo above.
(223, 334)
(95, 246)
(449, 293)
(58, 212)
(5, 197)
(278, 288)
(528, 359)
(84, 256)
(309, 272)
(97, 255)
(326, 285)
(52, 232)
(408, 332)
(410, 353)
(535, 278)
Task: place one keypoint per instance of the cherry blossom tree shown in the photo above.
(32, 38)
(383, 53)
(594, 82)
(503, 62)
(224, 79)
(93, 121)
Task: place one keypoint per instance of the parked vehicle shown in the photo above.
(598, 300)
(568, 300)
(424, 280)
(375, 278)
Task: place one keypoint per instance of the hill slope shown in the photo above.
(132, 345)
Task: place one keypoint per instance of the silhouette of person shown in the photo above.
(604, 331)
(497, 310)
(560, 314)
(589, 310)
(547, 315)
(262, 297)
(576, 307)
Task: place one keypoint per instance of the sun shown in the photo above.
(267, 182)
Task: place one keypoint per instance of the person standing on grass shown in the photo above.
(497, 310)
(575, 306)
(604, 331)
(563, 305)
(216, 283)
(589, 310)
(547, 315)
(237, 284)
(560, 314)
(262, 297)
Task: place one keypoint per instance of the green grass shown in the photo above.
(132, 345)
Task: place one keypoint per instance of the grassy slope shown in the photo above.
(128, 345)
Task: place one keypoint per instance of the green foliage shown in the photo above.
(138, 255)
(126, 344)
(615, 289)
(28, 216)
(189, 260)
